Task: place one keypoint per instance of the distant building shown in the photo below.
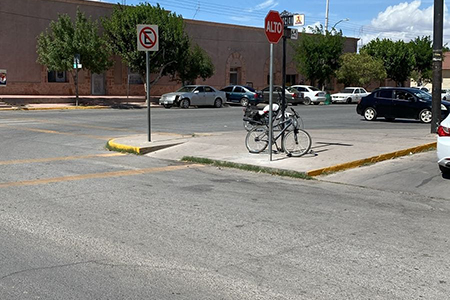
(240, 54)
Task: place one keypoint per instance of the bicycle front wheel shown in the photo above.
(297, 142)
(257, 139)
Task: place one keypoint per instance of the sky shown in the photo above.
(363, 19)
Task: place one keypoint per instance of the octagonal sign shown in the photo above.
(273, 26)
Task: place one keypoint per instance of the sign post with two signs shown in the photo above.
(273, 27)
(148, 40)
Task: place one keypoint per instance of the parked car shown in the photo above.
(445, 94)
(422, 88)
(398, 102)
(193, 95)
(243, 95)
(443, 146)
(349, 95)
(292, 96)
(311, 94)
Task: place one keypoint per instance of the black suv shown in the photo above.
(399, 102)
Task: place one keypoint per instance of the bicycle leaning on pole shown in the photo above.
(294, 140)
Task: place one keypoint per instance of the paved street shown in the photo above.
(78, 222)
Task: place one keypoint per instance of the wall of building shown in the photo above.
(240, 54)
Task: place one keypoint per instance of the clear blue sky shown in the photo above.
(368, 19)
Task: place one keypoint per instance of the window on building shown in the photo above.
(290, 79)
(57, 76)
(235, 75)
(134, 78)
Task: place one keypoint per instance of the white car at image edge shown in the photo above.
(443, 146)
(349, 95)
(312, 95)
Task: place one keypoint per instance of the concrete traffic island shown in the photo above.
(333, 150)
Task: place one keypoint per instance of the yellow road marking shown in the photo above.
(40, 160)
(96, 175)
(59, 132)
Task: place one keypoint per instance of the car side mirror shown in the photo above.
(196, 92)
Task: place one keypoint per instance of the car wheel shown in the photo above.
(425, 115)
(349, 100)
(218, 103)
(316, 103)
(184, 103)
(389, 119)
(167, 106)
(370, 114)
(445, 171)
(307, 101)
(244, 101)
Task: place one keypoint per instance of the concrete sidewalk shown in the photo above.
(332, 150)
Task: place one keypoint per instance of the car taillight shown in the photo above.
(443, 131)
(255, 96)
(295, 95)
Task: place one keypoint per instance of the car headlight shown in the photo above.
(443, 107)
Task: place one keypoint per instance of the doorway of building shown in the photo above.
(98, 84)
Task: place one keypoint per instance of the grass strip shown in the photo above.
(246, 167)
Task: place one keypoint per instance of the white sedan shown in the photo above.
(349, 95)
(443, 146)
(311, 94)
(193, 95)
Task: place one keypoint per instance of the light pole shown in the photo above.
(326, 15)
(343, 20)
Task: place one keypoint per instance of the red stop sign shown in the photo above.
(273, 26)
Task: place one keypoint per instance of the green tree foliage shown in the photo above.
(57, 47)
(360, 70)
(176, 56)
(317, 54)
(196, 64)
(422, 48)
(398, 58)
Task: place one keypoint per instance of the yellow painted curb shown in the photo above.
(63, 107)
(111, 145)
(373, 159)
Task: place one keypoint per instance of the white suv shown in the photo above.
(349, 95)
(311, 94)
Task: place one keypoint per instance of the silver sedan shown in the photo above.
(198, 95)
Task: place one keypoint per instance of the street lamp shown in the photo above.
(343, 20)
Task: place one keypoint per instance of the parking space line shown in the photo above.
(40, 160)
(97, 175)
(60, 132)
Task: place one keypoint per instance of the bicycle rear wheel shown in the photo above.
(257, 139)
(297, 142)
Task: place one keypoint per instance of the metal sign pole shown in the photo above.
(270, 101)
(148, 95)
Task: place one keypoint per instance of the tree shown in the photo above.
(176, 56)
(58, 47)
(196, 64)
(398, 58)
(422, 48)
(360, 70)
(317, 54)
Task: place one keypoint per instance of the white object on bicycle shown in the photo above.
(266, 109)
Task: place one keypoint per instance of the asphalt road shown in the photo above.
(78, 222)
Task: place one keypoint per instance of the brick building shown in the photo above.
(240, 54)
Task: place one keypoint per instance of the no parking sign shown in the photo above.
(147, 38)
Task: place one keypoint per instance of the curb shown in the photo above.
(373, 159)
(113, 146)
(54, 108)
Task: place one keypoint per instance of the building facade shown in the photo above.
(240, 54)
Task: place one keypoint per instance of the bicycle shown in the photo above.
(295, 141)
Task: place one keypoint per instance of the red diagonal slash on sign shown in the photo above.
(144, 34)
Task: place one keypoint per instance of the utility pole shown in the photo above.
(326, 15)
(437, 64)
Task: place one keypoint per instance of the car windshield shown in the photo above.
(422, 95)
(186, 89)
(347, 91)
(313, 88)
